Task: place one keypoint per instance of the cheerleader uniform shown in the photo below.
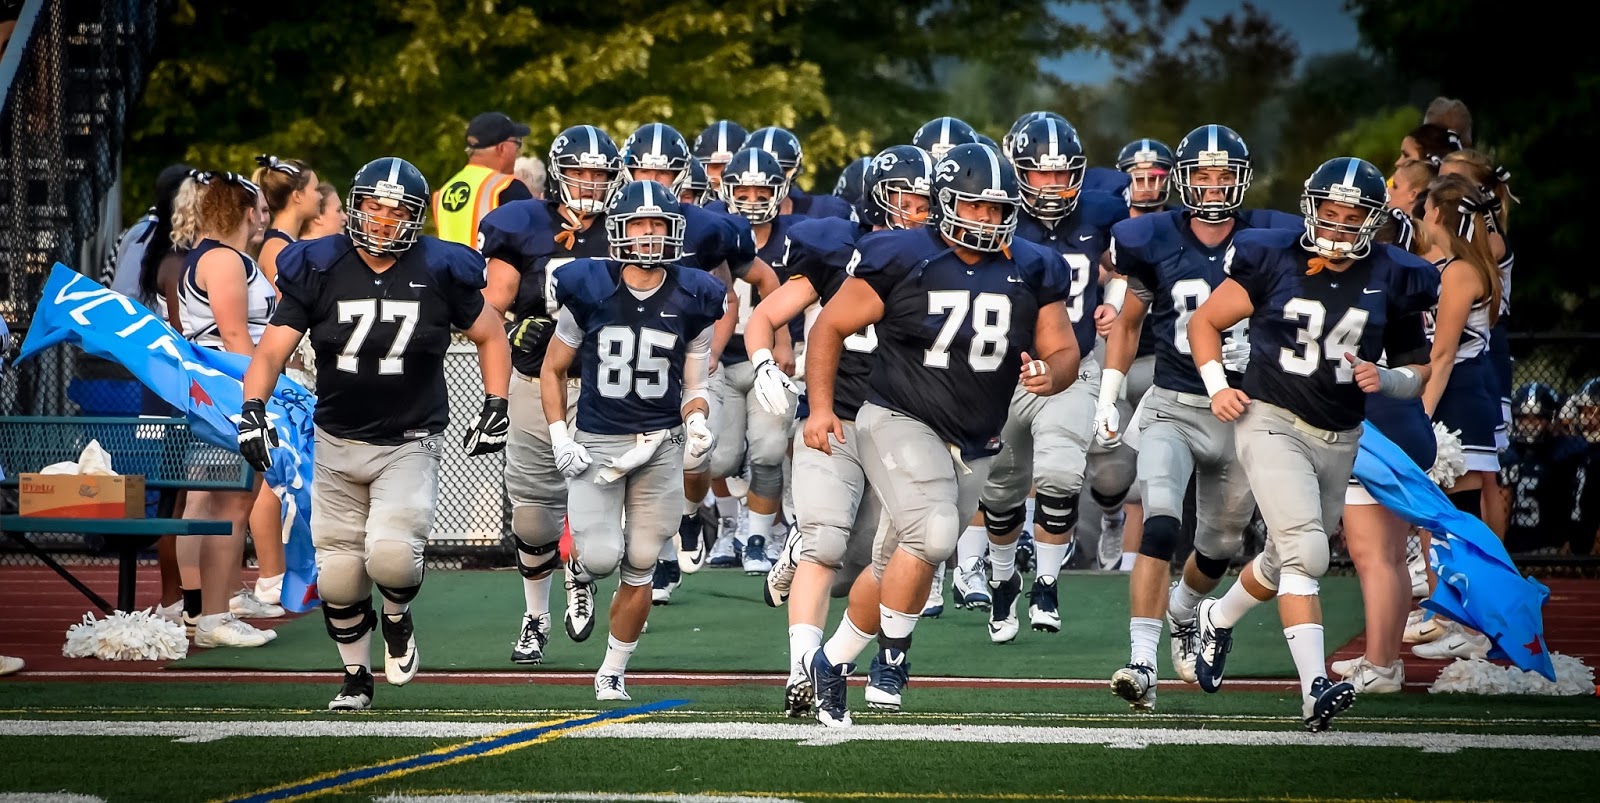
(1471, 400)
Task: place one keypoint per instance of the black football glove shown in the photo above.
(489, 434)
(531, 335)
(257, 438)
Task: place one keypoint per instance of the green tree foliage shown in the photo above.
(341, 83)
(1532, 82)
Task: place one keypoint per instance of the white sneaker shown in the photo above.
(1347, 666)
(1136, 683)
(172, 613)
(1369, 678)
(230, 632)
(1455, 643)
(934, 607)
(246, 605)
(610, 687)
(971, 585)
(1420, 630)
(10, 665)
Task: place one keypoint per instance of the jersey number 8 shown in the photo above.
(628, 362)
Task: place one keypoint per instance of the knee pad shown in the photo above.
(1056, 515)
(824, 545)
(536, 524)
(1213, 568)
(727, 462)
(597, 562)
(766, 479)
(1298, 585)
(940, 531)
(535, 562)
(342, 579)
(400, 596)
(1108, 502)
(359, 620)
(1160, 538)
(1004, 522)
(394, 563)
(1312, 558)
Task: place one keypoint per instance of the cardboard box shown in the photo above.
(81, 496)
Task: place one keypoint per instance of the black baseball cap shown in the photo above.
(492, 128)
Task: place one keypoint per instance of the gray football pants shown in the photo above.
(372, 508)
(927, 492)
(835, 510)
(651, 495)
(743, 423)
(1045, 443)
(537, 490)
(1179, 436)
(1304, 471)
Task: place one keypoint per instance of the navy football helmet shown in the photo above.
(1048, 145)
(893, 175)
(754, 167)
(1205, 147)
(394, 183)
(583, 147)
(1582, 410)
(782, 143)
(975, 173)
(638, 200)
(939, 135)
(1005, 141)
(1534, 406)
(850, 185)
(697, 187)
(1153, 181)
(1348, 181)
(719, 142)
(657, 146)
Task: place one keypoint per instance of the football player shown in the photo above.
(697, 188)
(379, 302)
(782, 143)
(939, 135)
(837, 515)
(638, 326)
(851, 185)
(959, 308)
(1172, 261)
(716, 145)
(1323, 305)
(1046, 439)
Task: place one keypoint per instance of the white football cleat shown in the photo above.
(1185, 637)
(400, 662)
(1136, 683)
(609, 687)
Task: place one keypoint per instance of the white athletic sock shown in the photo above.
(1305, 644)
(727, 507)
(1127, 561)
(536, 594)
(1003, 561)
(760, 524)
(357, 654)
(690, 507)
(895, 624)
(617, 655)
(1181, 605)
(270, 589)
(1143, 634)
(1027, 518)
(395, 608)
(1047, 558)
(802, 639)
(1233, 605)
(848, 641)
(972, 543)
(669, 550)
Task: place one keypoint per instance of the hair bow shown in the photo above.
(274, 163)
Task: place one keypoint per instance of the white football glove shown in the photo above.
(1107, 421)
(701, 440)
(571, 457)
(773, 388)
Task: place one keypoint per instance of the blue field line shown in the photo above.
(465, 751)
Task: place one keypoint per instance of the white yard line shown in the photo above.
(810, 734)
(633, 677)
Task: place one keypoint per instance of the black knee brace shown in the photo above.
(361, 612)
(1109, 502)
(1056, 515)
(1160, 539)
(1213, 568)
(1003, 522)
(400, 596)
(539, 561)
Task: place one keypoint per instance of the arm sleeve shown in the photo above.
(696, 363)
(1140, 291)
(567, 328)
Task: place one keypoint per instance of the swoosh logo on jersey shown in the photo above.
(1013, 280)
(669, 314)
(1366, 291)
(1085, 237)
(414, 284)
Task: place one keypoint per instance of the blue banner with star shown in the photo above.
(207, 384)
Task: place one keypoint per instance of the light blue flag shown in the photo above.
(1479, 586)
(205, 383)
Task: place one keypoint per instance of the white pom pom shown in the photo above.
(1449, 462)
(1477, 676)
(137, 636)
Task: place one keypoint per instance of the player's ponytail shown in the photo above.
(1493, 179)
(279, 180)
(1464, 226)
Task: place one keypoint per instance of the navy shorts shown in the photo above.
(1471, 404)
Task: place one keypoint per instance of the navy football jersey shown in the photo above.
(1543, 479)
(632, 350)
(1304, 324)
(713, 238)
(1079, 238)
(819, 251)
(772, 254)
(951, 338)
(1164, 260)
(523, 234)
(1105, 179)
(380, 338)
(807, 205)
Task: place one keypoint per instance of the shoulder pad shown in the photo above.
(583, 281)
(1135, 233)
(1272, 219)
(455, 262)
(1102, 209)
(299, 260)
